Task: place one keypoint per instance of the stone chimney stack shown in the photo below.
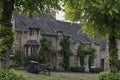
(53, 12)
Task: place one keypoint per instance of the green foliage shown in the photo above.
(12, 75)
(99, 17)
(34, 57)
(6, 40)
(109, 76)
(96, 70)
(13, 66)
(118, 64)
(32, 6)
(77, 69)
(81, 53)
(22, 6)
(66, 51)
(46, 48)
(86, 50)
(113, 54)
(18, 58)
(91, 60)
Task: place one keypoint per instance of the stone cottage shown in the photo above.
(29, 31)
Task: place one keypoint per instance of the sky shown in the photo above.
(60, 15)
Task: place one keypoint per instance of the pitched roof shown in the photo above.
(49, 26)
(31, 43)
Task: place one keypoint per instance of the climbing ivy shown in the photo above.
(66, 51)
(6, 40)
(81, 53)
(86, 50)
(91, 53)
(45, 48)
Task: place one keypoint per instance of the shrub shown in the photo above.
(12, 75)
(109, 76)
(33, 57)
(77, 69)
(18, 58)
(96, 70)
(13, 66)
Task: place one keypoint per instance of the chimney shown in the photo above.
(53, 13)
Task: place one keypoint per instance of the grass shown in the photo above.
(62, 76)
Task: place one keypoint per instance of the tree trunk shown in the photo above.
(113, 53)
(7, 34)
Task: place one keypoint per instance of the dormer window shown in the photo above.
(37, 31)
(31, 32)
(60, 35)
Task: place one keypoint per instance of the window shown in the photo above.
(93, 64)
(76, 46)
(76, 61)
(26, 51)
(37, 32)
(31, 32)
(33, 49)
(59, 37)
(102, 63)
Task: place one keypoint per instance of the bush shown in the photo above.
(18, 58)
(96, 70)
(109, 76)
(12, 75)
(13, 66)
(33, 57)
(77, 69)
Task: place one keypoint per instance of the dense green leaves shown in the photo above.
(86, 50)
(18, 58)
(6, 36)
(36, 6)
(7, 7)
(66, 51)
(99, 17)
(109, 76)
(33, 6)
(12, 75)
(46, 48)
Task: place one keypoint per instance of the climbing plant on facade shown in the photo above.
(91, 53)
(66, 51)
(45, 48)
(81, 51)
(84, 50)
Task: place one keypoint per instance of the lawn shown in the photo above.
(62, 76)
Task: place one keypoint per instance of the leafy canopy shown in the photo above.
(99, 17)
(32, 6)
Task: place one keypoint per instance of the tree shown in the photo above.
(99, 17)
(45, 48)
(66, 51)
(23, 6)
